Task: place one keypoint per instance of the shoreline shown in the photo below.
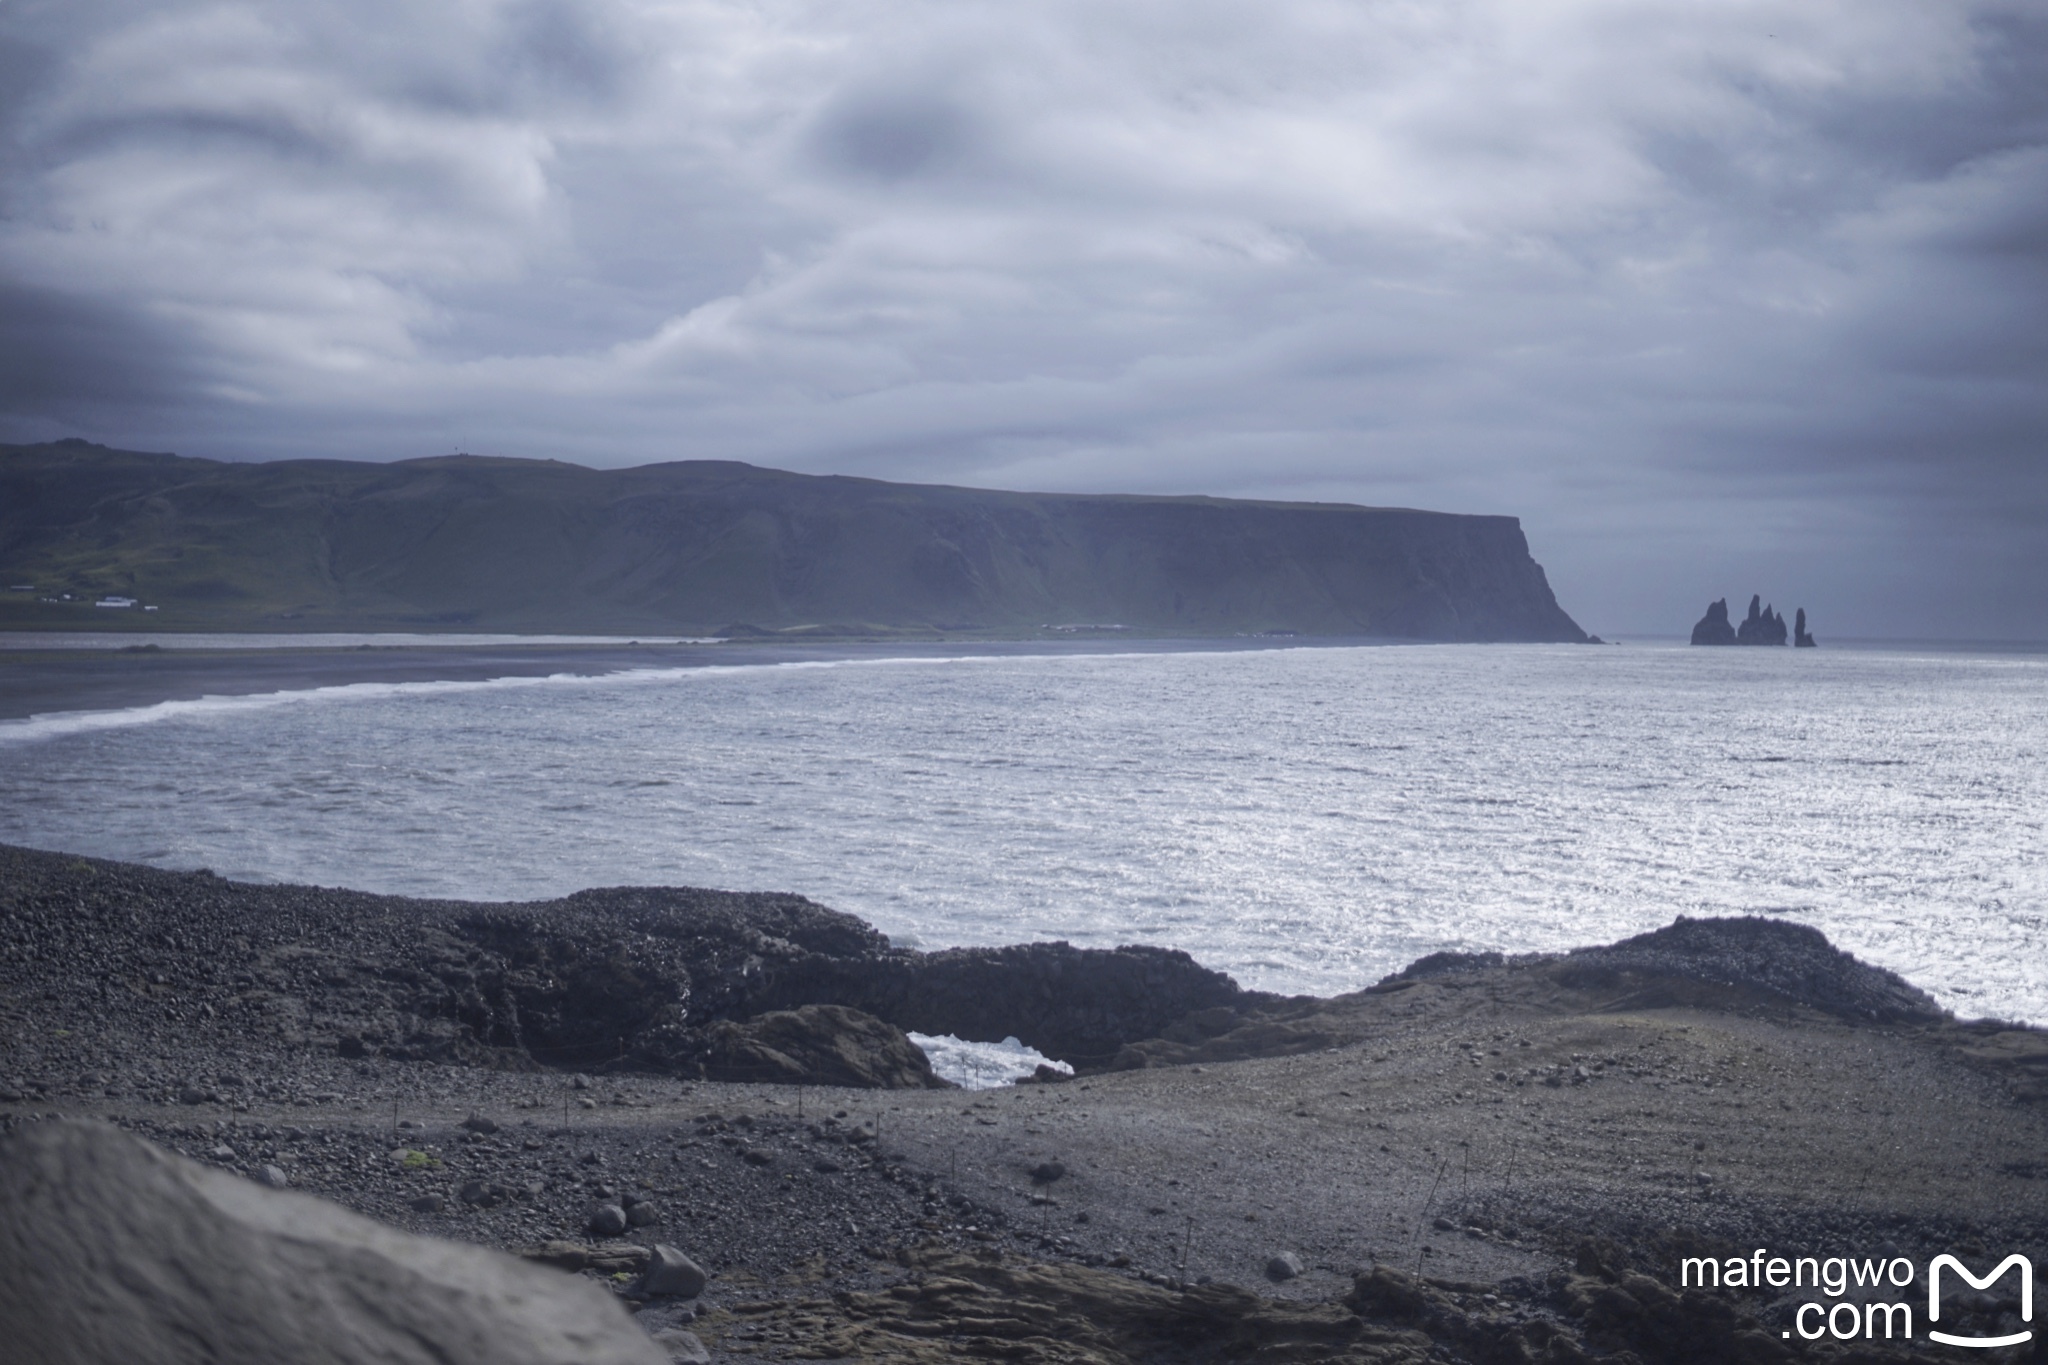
(67, 681)
(150, 668)
(1501, 1141)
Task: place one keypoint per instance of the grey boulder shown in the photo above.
(115, 1251)
(1284, 1266)
(669, 1272)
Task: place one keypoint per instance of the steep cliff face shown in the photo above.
(701, 545)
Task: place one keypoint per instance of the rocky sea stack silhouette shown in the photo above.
(1763, 626)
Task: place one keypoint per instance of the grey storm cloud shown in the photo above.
(1718, 299)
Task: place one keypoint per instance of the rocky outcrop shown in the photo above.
(816, 1045)
(1799, 636)
(1793, 962)
(754, 987)
(1714, 628)
(670, 980)
(1763, 625)
(956, 1307)
(1078, 1004)
(114, 1252)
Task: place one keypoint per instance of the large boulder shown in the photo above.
(115, 1252)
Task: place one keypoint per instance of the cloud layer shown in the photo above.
(1718, 298)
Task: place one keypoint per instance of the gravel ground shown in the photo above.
(1511, 1141)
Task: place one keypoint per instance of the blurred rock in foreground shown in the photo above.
(112, 1250)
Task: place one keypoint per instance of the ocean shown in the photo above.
(1307, 819)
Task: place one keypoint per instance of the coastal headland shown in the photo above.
(93, 538)
(1475, 1159)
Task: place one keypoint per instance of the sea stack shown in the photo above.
(1713, 628)
(1800, 638)
(1763, 625)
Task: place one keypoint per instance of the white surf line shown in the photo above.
(59, 724)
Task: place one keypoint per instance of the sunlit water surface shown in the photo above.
(1306, 819)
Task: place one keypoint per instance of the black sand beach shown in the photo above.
(148, 669)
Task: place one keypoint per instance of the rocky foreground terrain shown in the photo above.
(1479, 1159)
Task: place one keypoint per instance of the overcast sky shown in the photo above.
(1718, 297)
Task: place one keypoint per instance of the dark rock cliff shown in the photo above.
(702, 546)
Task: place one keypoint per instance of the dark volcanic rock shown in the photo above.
(1077, 1004)
(630, 978)
(112, 1250)
(1763, 625)
(1799, 635)
(1792, 961)
(1446, 964)
(816, 1045)
(1714, 628)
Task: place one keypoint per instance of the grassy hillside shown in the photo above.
(470, 543)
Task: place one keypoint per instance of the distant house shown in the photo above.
(115, 602)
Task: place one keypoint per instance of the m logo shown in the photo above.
(2026, 1298)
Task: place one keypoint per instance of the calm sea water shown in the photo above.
(1306, 819)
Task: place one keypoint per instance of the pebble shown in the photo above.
(607, 1220)
(274, 1177)
(642, 1214)
(477, 1123)
(1045, 1172)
